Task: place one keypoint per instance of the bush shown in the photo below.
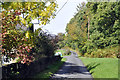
(18, 70)
(88, 47)
(109, 52)
(44, 46)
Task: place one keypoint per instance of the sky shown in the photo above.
(58, 24)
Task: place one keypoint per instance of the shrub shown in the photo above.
(44, 46)
(88, 47)
(110, 52)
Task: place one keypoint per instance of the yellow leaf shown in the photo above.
(27, 35)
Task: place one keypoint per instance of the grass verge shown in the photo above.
(102, 67)
(51, 69)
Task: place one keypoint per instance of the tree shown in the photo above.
(104, 19)
(77, 27)
(14, 42)
(61, 40)
(97, 21)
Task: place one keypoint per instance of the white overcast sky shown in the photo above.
(58, 24)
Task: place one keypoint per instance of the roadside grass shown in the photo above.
(51, 69)
(102, 67)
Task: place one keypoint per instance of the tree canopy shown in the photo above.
(17, 42)
(96, 25)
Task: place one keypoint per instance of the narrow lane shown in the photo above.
(73, 68)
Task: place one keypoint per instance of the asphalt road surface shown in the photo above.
(72, 69)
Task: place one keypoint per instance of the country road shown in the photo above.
(73, 68)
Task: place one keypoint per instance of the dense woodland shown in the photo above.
(94, 30)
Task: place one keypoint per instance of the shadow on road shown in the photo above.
(73, 68)
(73, 71)
(70, 68)
(92, 66)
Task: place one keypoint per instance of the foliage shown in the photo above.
(17, 42)
(104, 29)
(44, 46)
(19, 70)
(105, 24)
(95, 27)
(108, 52)
(31, 10)
(14, 43)
(61, 42)
(77, 28)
